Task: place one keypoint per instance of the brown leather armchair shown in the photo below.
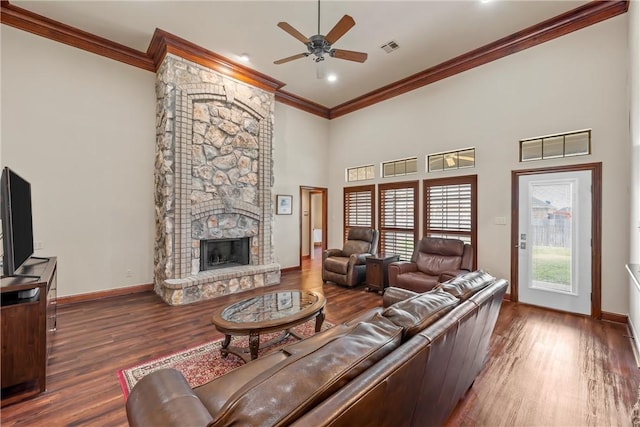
(347, 266)
(434, 260)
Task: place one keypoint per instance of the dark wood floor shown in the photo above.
(545, 368)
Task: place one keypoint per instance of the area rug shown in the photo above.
(203, 363)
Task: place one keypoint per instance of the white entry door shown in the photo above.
(554, 240)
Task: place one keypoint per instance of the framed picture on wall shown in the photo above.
(283, 204)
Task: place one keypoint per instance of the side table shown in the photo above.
(376, 270)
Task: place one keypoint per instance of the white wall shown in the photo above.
(300, 157)
(81, 129)
(575, 82)
(634, 124)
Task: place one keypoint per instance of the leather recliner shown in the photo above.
(347, 266)
(434, 260)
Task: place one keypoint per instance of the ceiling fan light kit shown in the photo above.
(320, 45)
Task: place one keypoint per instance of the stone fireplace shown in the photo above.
(213, 182)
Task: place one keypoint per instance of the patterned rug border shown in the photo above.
(210, 349)
(122, 373)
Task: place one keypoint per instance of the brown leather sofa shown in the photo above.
(434, 260)
(347, 266)
(405, 364)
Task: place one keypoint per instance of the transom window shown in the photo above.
(568, 144)
(360, 173)
(400, 167)
(458, 159)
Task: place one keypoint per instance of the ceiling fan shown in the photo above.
(320, 45)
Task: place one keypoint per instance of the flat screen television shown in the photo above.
(17, 227)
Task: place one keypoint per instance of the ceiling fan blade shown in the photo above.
(349, 55)
(343, 25)
(290, 58)
(295, 33)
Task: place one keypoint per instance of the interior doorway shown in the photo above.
(555, 236)
(313, 221)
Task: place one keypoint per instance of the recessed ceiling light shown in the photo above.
(244, 57)
(485, 1)
(332, 77)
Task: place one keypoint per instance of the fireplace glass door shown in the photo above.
(223, 253)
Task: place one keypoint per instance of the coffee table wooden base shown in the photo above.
(251, 353)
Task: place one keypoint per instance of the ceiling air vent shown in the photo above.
(390, 46)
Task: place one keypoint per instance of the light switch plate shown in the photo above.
(500, 220)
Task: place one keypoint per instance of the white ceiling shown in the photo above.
(428, 32)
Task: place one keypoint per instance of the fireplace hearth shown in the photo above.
(222, 253)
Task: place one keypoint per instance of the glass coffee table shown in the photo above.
(271, 311)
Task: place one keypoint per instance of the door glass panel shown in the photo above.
(550, 236)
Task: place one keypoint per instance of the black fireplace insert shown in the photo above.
(223, 253)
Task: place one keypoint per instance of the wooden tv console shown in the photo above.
(27, 326)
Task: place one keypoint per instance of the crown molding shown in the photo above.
(25, 20)
(163, 43)
(581, 17)
(302, 103)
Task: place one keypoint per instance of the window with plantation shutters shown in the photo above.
(398, 218)
(450, 209)
(359, 207)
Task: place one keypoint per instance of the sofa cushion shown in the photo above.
(217, 392)
(281, 394)
(320, 339)
(416, 313)
(467, 284)
(337, 264)
(393, 295)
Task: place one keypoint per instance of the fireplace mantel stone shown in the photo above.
(214, 178)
